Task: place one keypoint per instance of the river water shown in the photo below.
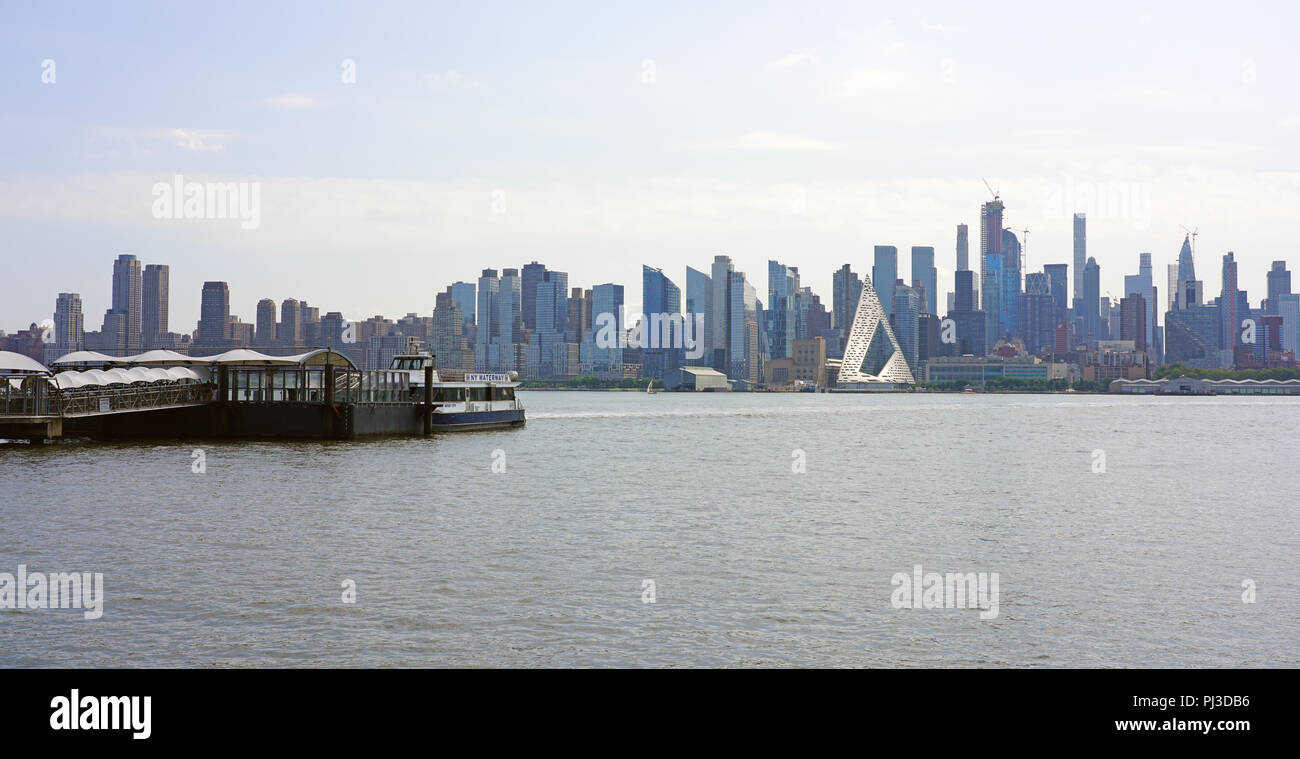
(766, 529)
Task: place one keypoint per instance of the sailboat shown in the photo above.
(650, 388)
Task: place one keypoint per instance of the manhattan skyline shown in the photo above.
(471, 139)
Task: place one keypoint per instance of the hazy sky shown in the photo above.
(598, 137)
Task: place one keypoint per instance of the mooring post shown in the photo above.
(428, 396)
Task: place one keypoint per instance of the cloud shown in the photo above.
(791, 60)
(196, 141)
(766, 141)
(861, 81)
(293, 101)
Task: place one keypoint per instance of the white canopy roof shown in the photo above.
(158, 357)
(17, 362)
(84, 357)
(101, 378)
(238, 357)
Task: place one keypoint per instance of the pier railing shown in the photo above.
(34, 395)
(102, 400)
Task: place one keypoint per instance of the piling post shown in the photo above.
(427, 412)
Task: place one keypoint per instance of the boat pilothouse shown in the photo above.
(480, 401)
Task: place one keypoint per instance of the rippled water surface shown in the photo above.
(753, 564)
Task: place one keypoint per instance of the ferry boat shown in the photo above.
(480, 401)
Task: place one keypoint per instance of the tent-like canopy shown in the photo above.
(100, 378)
(84, 357)
(236, 357)
(17, 362)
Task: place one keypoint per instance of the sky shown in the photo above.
(398, 147)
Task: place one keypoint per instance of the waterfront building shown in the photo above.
(980, 369)
(265, 321)
(872, 355)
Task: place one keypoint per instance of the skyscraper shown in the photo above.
(963, 248)
(904, 320)
(661, 305)
(1008, 318)
(602, 351)
(214, 315)
(699, 300)
(265, 323)
(1133, 320)
(551, 304)
(509, 320)
(450, 348)
(154, 296)
(884, 275)
(991, 265)
(743, 351)
(846, 292)
(1058, 279)
(289, 331)
(782, 317)
(1279, 283)
(126, 297)
(533, 274)
(579, 316)
(1037, 313)
(1080, 254)
(969, 323)
(69, 325)
(464, 293)
(1092, 326)
(1229, 308)
(923, 271)
(1141, 284)
(716, 350)
(1186, 266)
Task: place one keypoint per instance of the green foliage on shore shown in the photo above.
(1175, 370)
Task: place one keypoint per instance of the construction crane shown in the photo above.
(991, 190)
(1192, 234)
(1024, 249)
